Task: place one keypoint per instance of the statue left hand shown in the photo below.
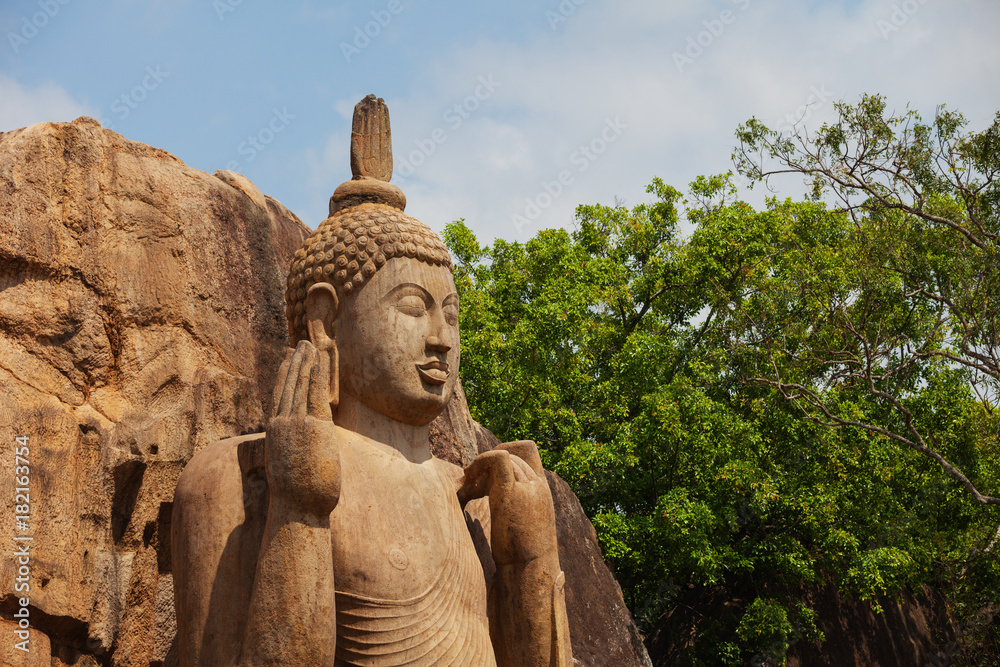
(521, 509)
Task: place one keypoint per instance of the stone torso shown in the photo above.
(412, 591)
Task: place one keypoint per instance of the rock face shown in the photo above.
(600, 624)
(141, 318)
(913, 630)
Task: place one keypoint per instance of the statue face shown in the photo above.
(398, 343)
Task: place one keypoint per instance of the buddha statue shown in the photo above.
(336, 538)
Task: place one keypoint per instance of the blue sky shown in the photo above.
(507, 114)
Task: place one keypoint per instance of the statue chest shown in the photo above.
(398, 528)
(410, 587)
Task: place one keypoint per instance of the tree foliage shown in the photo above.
(919, 293)
(666, 376)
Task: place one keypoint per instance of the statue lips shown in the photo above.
(433, 372)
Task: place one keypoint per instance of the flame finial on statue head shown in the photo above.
(371, 140)
(371, 160)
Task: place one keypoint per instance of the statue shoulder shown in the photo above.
(219, 511)
(209, 470)
(450, 471)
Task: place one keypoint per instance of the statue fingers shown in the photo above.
(522, 471)
(527, 451)
(300, 399)
(487, 472)
(279, 386)
(319, 388)
(291, 380)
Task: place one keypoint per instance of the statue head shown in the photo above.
(373, 288)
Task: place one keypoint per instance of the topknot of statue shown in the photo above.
(349, 247)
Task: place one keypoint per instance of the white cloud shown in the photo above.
(21, 106)
(769, 60)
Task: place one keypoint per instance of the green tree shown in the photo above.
(636, 357)
(917, 277)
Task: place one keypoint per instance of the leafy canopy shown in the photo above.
(685, 385)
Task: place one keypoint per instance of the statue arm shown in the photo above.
(529, 615)
(528, 621)
(291, 619)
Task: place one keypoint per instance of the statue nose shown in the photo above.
(437, 344)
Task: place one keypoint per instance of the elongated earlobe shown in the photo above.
(321, 322)
(334, 377)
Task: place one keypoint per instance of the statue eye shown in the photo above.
(411, 305)
(451, 314)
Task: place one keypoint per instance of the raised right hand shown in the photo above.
(301, 453)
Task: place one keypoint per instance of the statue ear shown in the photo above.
(321, 322)
(321, 314)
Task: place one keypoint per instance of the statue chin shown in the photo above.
(414, 407)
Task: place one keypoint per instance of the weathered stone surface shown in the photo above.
(371, 140)
(141, 317)
(453, 433)
(63, 656)
(913, 629)
(33, 653)
(373, 314)
(905, 633)
(601, 626)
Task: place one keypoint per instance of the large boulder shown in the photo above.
(600, 625)
(141, 318)
(912, 628)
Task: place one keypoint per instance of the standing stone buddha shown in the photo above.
(336, 538)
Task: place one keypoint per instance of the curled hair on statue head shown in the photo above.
(348, 249)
